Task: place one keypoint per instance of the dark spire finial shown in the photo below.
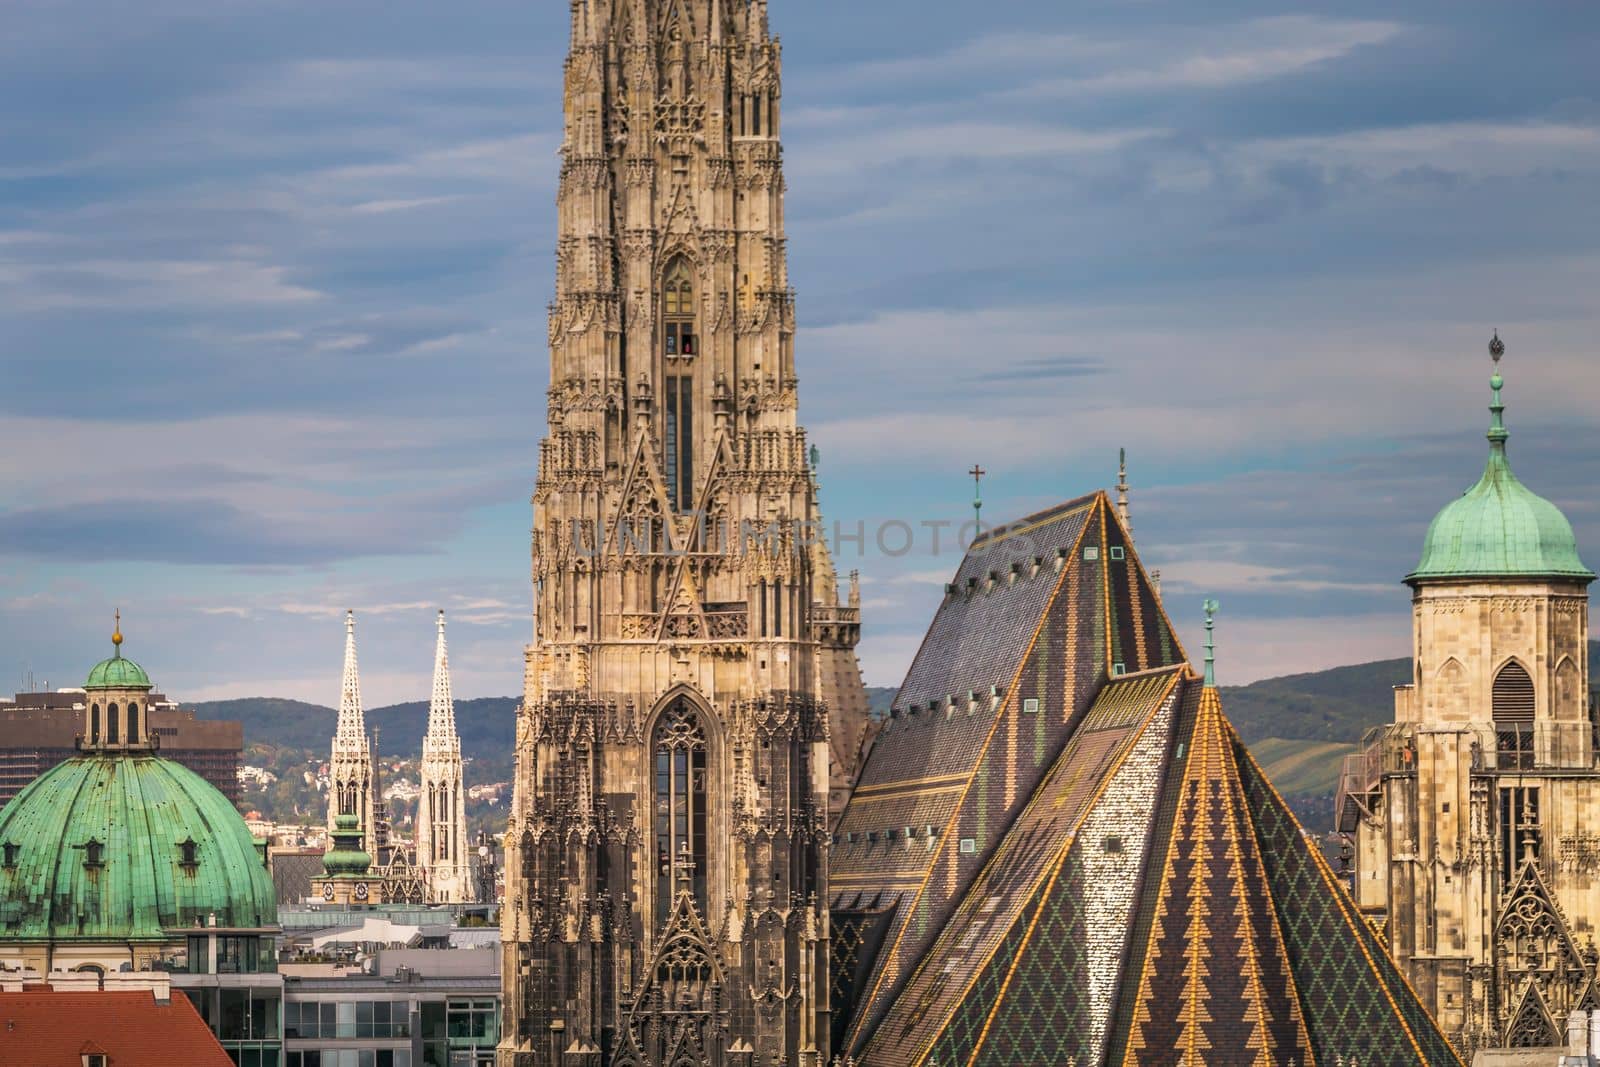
(1122, 492)
(1497, 407)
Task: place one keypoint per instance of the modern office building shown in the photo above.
(40, 730)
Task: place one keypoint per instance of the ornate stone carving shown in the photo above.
(627, 625)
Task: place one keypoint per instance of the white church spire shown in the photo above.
(441, 808)
(350, 762)
(352, 728)
(442, 709)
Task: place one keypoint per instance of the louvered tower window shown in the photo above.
(1512, 708)
(1513, 695)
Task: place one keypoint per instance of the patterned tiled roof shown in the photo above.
(1116, 881)
(1041, 614)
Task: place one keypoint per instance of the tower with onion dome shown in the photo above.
(1474, 815)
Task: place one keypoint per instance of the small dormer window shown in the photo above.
(10, 854)
(1118, 552)
(189, 851)
(94, 853)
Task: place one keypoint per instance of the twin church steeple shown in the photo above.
(441, 830)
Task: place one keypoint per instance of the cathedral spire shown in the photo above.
(441, 809)
(350, 761)
(666, 636)
(441, 709)
(352, 720)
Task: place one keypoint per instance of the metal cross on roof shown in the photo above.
(977, 473)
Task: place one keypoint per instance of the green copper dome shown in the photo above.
(1500, 528)
(117, 673)
(121, 847)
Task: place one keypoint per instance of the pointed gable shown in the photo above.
(1115, 882)
(1211, 977)
(1016, 654)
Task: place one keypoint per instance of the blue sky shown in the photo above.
(273, 277)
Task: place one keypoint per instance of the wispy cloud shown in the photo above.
(310, 245)
(1256, 50)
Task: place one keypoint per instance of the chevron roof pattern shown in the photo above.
(1085, 866)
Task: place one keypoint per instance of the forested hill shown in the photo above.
(1335, 705)
(1300, 727)
(487, 726)
(1332, 705)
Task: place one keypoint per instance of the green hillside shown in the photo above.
(1301, 767)
(1335, 705)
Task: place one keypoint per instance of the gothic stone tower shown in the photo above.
(1473, 814)
(350, 790)
(666, 863)
(441, 811)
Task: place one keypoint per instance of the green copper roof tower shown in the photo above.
(1499, 528)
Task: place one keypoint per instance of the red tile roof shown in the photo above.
(41, 1028)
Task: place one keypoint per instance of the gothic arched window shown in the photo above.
(680, 343)
(680, 806)
(677, 305)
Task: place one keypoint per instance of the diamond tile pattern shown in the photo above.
(1214, 987)
(1359, 1006)
(1022, 867)
(1108, 878)
(1058, 651)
